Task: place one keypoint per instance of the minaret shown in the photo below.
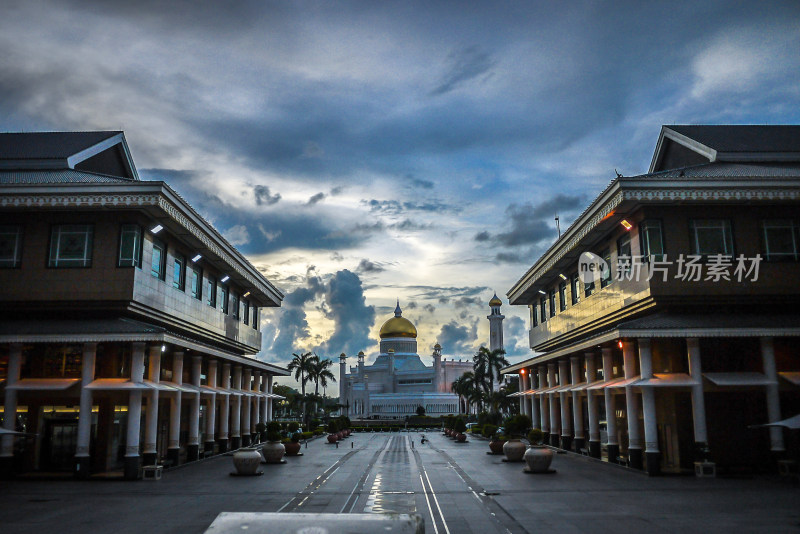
(495, 324)
(342, 383)
(361, 364)
(437, 367)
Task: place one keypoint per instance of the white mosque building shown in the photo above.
(398, 382)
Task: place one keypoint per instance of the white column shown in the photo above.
(236, 413)
(591, 401)
(246, 404)
(175, 405)
(544, 413)
(611, 409)
(629, 363)
(649, 404)
(211, 407)
(225, 403)
(132, 459)
(698, 398)
(10, 406)
(257, 403)
(577, 409)
(566, 420)
(773, 399)
(194, 407)
(151, 415)
(268, 402)
(536, 418)
(85, 415)
(521, 388)
(555, 420)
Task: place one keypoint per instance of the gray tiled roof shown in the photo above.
(56, 176)
(728, 170)
(743, 138)
(48, 145)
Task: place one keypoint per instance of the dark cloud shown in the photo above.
(442, 293)
(412, 305)
(418, 182)
(457, 339)
(515, 338)
(533, 224)
(291, 320)
(463, 65)
(264, 197)
(352, 318)
(366, 266)
(430, 308)
(464, 302)
(510, 257)
(395, 207)
(315, 199)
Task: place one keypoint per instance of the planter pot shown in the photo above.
(496, 446)
(538, 459)
(332, 438)
(273, 452)
(461, 438)
(514, 450)
(246, 461)
(292, 448)
(340, 435)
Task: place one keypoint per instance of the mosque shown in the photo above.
(398, 382)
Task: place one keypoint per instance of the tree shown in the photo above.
(319, 373)
(420, 411)
(301, 364)
(488, 364)
(467, 386)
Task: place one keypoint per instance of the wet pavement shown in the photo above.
(456, 488)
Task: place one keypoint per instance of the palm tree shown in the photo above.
(302, 364)
(489, 363)
(320, 373)
(459, 387)
(467, 386)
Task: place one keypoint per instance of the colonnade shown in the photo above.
(233, 405)
(574, 377)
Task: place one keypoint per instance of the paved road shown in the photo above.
(457, 488)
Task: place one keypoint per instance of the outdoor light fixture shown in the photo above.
(522, 371)
(542, 292)
(562, 276)
(225, 278)
(625, 224)
(157, 228)
(163, 348)
(197, 258)
(246, 294)
(619, 343)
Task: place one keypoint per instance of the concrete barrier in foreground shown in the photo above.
(283, 523)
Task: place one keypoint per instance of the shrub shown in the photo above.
(318, 432)
(273, 431)
(333, 427)
(489, 430)
(459, 425)
(293, 427)
(476, 429)
(535, 436)
(517, 426)
(307, 435)
(296, 437)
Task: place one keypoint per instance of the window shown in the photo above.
(551, 297)
(255, 318)
(130, 246)
(575, 288)
(235, 305)
(562, 295)
(197, 283)
(10, 246)
(605, 273)
(223, 299)
(71, 245)
(211, 291)
(780, 240)
(246, 309)
(711, 236)
(624, 259)
(534, 315)
(179, 273)
(652, 243)
(543, 309)
(588, 289)
(158, 262)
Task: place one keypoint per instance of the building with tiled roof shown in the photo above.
(121, 300)
(664, 321)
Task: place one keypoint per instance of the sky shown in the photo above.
(363, 152)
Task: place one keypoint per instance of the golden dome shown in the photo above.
(495, 301)
(398, 326)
